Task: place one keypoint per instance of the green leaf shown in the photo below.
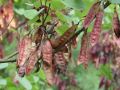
(77, 4)
(30, 14)
(3, 82)
(3, 65)
(115, 1)
(19, 11)
(25, 83)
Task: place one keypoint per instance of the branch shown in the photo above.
(8, 58)
(8, 61)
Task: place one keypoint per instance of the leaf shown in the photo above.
(115, 1)
(3, 65)
(25, 83)
(20, 11)
(77, 4)
(3, 82)
(30, 14)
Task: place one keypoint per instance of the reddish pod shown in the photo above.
(24, 48)
(1, 51)
(38, 35)
(83, 55)
(47, 54)
(60, 62)
(116, 24)
(95, 34)
(65, 37)
(91, 14)
(74, 42)
(30, 64)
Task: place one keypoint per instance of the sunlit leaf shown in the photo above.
(115, 1)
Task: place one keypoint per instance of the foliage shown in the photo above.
(66, 11)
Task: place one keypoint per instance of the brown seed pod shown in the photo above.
(38, 35)
(47, 52)
(83, 55)
(24, 48)
(74, 42)
(95, 34)
(91, 14)
(65, 37)
(30, 64)
(116, 23)
(60, 62)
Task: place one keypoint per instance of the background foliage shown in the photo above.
(88, 79)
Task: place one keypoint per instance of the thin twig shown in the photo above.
(9, 57)
(8, 61)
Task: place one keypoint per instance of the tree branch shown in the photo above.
(8, 58)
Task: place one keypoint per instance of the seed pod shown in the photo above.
(65, 37)
(24, 48)
(60, 62)
(47, 52)
(21, 71)
(38, 35)
(95, 34)
(39, 52)
(30, 64)
(1, 51)
(91, 14)
(83, 55)
(116, 24)
(74, 42)
(49, 74)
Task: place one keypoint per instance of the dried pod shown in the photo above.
(38, 35)
(24, 48)
(74, 42)
(49, 74)
(47, 52)
(39, 52)
(30, 64)
(1, 51)
(91, 14)
(65, 37)
(60, 62)
(83, 55)
(21, 71)
(116, 24)
(95, 34)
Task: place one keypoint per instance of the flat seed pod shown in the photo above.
(83, 55)
(21, 71)
(74, 42)
(91, 14)
(60, 62)
(24, 48)
(95, 34)
(116, 24)
(38, 35)
(47, 52)
(59, 41)
(30, 64)
(49, 74)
